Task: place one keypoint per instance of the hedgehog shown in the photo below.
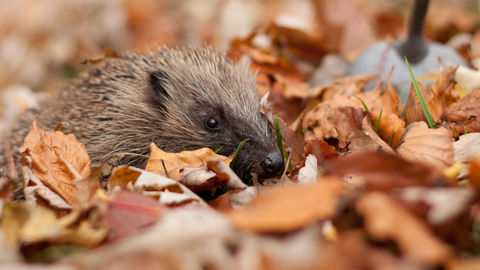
(180, 99)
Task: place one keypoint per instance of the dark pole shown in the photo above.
(415, 48)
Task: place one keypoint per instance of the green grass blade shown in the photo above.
(377, 125)
(420, 97)
(218, 150)
(235, 155)
(465, 131)
(363, 103)
(390, 140)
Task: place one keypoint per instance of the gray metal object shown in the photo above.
(422, 55)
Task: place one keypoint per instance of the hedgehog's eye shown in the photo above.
(211, 123)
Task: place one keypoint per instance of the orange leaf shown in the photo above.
(171, 164)
(283, 209)
(57, 160)
(382, 218)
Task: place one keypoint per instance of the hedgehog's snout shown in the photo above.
(272, 165)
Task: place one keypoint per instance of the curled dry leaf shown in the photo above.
(34, 189)
(430, 146)
(325, 122)
(437, 97)
(283, 209)
(367, 139)
(216, 174)
(57, 160)
(382, 217)
(385, 171)
(169, 192)
(225, 173)
(28, 225)
(171, 164)
(294, 141)
(391, 126)
(463, 115)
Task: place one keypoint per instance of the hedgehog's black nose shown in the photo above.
(273, 163)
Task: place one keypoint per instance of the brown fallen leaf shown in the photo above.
(463, 115)
(446, 210)
(234, 199)
(318, 149)
(169, 192)
(37, 193)
(386, 171)
(171, 164)
(325, 122)
(367, 136)
(283, 209)
(351, 251)
(430, 146)
(474, 174)
(437, 97)
(29, 225)
(294, 142)
(391, 126)
(465, 264)
(216, 174)
(129, 212)
(382, 217)
(57, 160)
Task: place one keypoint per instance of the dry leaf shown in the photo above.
(29, 225)
(382, 217)
(391, 126)
(294, 141)
(57, 160)
(430, 146)
(373, 139)
(463, 115)
(465, 264)
(385, 171)
(325, 122)
(130, 212)
(37, 193)
(171, 164)
(169, 192)
(283, 209)
(437, 97)
(466, 148)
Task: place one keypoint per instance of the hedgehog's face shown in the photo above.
(218, 109)
(224, 131)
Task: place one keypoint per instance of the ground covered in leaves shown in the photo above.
(370, 183)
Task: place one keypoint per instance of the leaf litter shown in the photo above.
(369, 185)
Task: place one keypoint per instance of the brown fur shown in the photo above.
(113, 107)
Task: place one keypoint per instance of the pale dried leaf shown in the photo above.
(430, 146)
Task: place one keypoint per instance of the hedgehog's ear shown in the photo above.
(158, 82)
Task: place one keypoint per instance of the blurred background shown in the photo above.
(44, 42)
